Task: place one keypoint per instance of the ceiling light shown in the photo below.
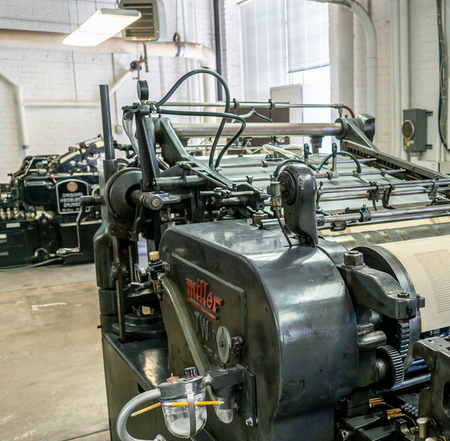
(104, 24)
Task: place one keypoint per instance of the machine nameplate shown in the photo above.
(198, 295)
(68, 194)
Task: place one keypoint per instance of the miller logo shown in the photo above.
(207, 302)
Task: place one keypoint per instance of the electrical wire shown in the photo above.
(288, 161)
(443, 78)
(349, 155)
(215, 115)
(36, 265)
(222, 81)
(128, 128)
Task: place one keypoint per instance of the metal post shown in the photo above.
(218, 45)
(109, 162)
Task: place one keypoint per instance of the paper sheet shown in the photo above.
(427, 262)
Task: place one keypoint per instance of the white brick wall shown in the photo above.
(47, 75)
(424, 81)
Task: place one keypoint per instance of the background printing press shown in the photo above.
(40, 204)
(288, 294)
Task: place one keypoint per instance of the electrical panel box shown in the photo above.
(414, 130)
(152, 26)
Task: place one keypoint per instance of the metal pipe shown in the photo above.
(259, 130)
(366, 195)
(355, 217)
(413, 381)
(385, 221)
(371, 51)
(261, 105)
(265, 164)
(106, 122)
(403, 184)
(322, 175)
(218, 45)
(385, 172)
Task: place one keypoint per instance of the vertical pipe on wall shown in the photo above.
(396, 86)
(371, 56)
(218, 45)
(404, 52)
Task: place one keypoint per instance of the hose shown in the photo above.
(129, 408)
(216, 115)
(288, 161)
(227, 103)
(349, 155)
(35, 265)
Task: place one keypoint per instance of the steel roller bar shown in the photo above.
(367, 196)
(324, 175)
(266, 164)
(259, 130)
(392, 214)
(403, 184)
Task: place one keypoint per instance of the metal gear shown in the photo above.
(395, 363)
(403, 338)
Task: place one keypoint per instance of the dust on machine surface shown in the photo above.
(40, 204)
(288, 294)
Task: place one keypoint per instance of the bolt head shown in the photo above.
(403, 295)
(353, 258)
(249, 422)
(156, 202)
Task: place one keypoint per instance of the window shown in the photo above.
(281, 37)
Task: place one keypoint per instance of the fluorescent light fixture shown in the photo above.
(104, 24)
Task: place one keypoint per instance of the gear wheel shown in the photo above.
(403, 337)
(396, 372)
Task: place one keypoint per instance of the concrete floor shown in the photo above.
(51, 369)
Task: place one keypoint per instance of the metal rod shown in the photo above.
(119, 290)
(259, 130)
(251, 105)
(265, 164)
(385, 172)
(106, 121)
(353, 217)
(403, 184)
(218, 45)
(383, 221)
(413, 381)
(322, 175)
(349, 197)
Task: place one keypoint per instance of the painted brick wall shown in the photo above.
(424, 64)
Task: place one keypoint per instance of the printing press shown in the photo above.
(40, 204)
(288, 294)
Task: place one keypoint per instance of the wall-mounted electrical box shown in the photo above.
(414, 130)
(152, 26)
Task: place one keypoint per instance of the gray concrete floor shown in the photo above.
(51, 369)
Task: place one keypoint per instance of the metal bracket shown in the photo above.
(387, 196)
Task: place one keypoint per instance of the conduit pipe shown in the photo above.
(371, 50)
(22, 126)
(53, 41)
(404, 52)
